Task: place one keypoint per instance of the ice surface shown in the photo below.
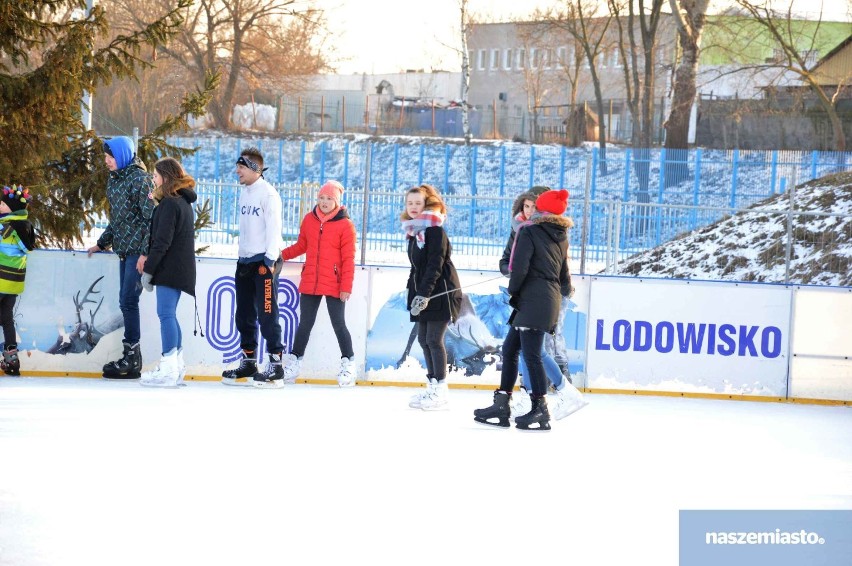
(96, 473)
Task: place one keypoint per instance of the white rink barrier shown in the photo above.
(716, 339)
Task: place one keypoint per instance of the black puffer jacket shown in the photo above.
(540, 276)
(171, 257)
(432, 272)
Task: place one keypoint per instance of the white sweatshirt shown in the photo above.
(260, 221)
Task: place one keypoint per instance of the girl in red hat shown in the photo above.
(539, 279)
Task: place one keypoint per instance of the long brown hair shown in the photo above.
(431, 200)
(174, 177)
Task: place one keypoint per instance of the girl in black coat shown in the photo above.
(170, 264)
(434, 295)
(539, 279)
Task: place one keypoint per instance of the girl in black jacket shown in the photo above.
(432, 273)
(170, 264)
(539, 279)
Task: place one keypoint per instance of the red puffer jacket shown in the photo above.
(330, 254)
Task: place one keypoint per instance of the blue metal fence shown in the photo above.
(480, 182)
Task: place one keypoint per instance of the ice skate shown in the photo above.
(129, 366)
(348, 372)
(498, 413)
(521, 403)
(436, 398)
(272, 377)
(11, 364)
(537, 419)
(242, 374)
(166, 374)
(567, 401)
(417, 399)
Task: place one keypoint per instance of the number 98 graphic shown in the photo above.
(219, 322)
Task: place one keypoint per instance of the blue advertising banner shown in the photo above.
(776, 537)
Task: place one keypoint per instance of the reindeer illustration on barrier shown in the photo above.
(85, 335)
(470, 346)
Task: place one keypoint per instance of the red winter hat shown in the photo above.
(554, 202)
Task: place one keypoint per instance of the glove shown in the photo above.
(418, 304)
(146, 282)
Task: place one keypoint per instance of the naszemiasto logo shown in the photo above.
(766, 537)
(688, 338)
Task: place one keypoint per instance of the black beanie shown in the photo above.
(108, 150)
(16, 197)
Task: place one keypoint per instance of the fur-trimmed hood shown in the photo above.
(532, 194)
(563, 221)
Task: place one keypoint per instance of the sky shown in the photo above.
(389, 36)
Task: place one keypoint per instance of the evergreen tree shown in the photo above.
(47, 61)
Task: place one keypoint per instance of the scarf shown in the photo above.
(518, 220)
(517, 230)
(416, 227)
(325, 217)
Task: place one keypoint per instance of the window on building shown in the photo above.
(471, 62)
(480, 59)
(519, 111)
(495, 59)
(535, 57)
(561, 62)
(614, 58)
(520, 58)
(547, 58)
(507, 59)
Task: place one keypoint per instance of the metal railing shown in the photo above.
(788, 245)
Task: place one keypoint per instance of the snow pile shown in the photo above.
(254, 117)
(752, 245)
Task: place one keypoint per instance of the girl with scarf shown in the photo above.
(539, 279)
(327, 237)
(434, 296)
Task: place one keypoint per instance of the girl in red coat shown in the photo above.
(327, 236)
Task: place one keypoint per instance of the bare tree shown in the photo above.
(589, 26)
(537, 63)
(464, 28)
(793, 56)
(251, 42)
(689, 17)
(639, 77)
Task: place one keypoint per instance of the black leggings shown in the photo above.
(430, 335)
(7, 317)
(308, 307)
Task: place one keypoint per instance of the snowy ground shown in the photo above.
(99, 473)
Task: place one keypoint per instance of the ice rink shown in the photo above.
(97, 473)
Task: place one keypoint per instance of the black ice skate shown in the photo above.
(499, 411)
(128, 367)
(10, 364)
(537, 419)
(246, 369)
(272, 376)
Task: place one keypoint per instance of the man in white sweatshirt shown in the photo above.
(256, 278)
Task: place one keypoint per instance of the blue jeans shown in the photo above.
(167, 301)
(551, 370)
(129, 289)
